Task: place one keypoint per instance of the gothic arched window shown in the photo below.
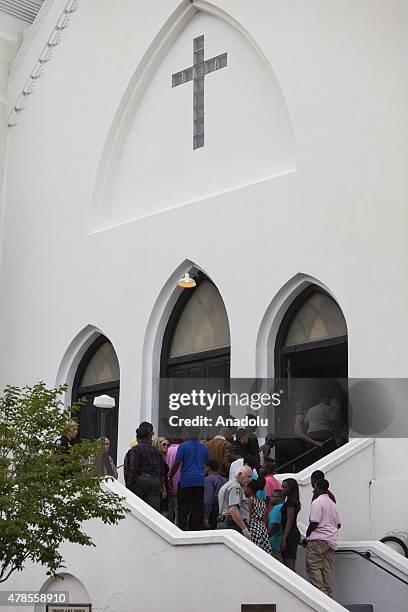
(98, 374)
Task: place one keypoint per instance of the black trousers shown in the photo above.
(148, 487)
(190, 508)
(213, 516)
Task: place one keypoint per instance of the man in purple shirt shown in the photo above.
(213, 483)
(193, 457)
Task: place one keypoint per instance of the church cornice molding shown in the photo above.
(46, 55)
(29, 37)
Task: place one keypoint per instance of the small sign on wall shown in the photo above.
(72, 607)
(258, 607)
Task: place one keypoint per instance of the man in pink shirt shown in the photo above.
(321, 537)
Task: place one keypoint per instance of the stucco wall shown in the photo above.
(389, 503)
(145, 563)
(339, 218)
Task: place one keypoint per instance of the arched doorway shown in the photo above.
(311, 358)
(196, 348)
(98, 374)
(312, 339)
(76, 589)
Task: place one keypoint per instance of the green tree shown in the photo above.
(45, 495)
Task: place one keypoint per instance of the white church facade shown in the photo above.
(260, 147)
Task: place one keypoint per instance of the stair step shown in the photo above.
(359, 607)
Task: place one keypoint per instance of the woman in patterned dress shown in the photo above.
(258, 512)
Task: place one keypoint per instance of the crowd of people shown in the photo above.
(221, 484)
(227, 482)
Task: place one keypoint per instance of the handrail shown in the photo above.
(310, 450)
(367, 556)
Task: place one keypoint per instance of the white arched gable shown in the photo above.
(149, 164)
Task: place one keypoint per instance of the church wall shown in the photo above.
(382, 521)
(339, 216)
(165, 572)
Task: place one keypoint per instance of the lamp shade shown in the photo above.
(186, 281)
(104, 401)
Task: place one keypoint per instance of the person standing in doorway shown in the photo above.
(111, 461)
(104, 463)
(192, 456)
(320, 422)
(321, 537)
(290, 510)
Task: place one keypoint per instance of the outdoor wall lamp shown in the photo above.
(186, 281)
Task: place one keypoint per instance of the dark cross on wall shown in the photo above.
(196, 73)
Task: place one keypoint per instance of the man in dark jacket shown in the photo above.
(145, 469)
(240, 446)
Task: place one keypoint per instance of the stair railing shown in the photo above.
(305, 454)
(367, 556)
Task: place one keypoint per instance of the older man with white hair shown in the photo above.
(233, 504)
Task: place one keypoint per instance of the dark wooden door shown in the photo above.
(209, 372)
(90, 416)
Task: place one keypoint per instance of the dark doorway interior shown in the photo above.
(311, 362)
(320, 361)
(98, 363)
(204, 369)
